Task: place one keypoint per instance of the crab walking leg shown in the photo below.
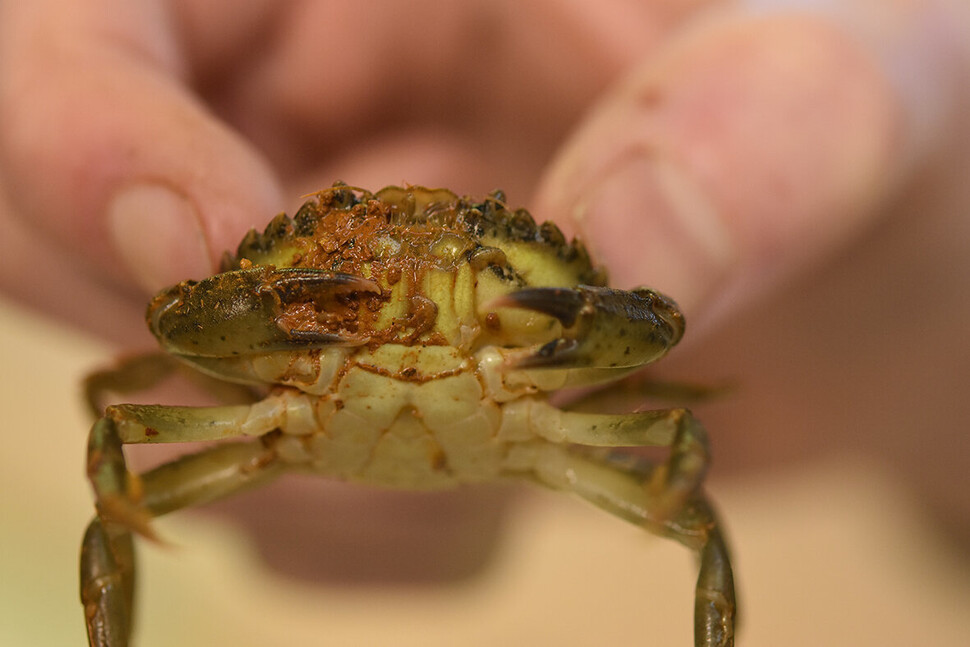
(615, 483)
(209, 475)
(126, 502)
(671, 484)
(107, 555)
(129, 375)
(141, 372)
(107, 583)
(118, 493)
(628, 391)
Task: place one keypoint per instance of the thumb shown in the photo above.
(751, 149)
(108, 152)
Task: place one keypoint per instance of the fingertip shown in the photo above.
(653, 225)
(749, 149)
(114, 159)
(169, 230)
(922, 51)
(158, 233)
(177, 188)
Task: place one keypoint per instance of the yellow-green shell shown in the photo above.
(437, 259)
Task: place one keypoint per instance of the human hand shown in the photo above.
(234, 106)
(140, 141)
(797, 181)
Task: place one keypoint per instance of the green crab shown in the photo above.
(406, 338)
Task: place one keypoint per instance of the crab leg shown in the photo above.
(107, 555)
(616, 483)
(630, 391)
(671, 484)
(107, 583)
(127, 503)
(141, 372)
(129, 375)
(118, 492)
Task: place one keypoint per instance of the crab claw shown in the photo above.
(254, 310)
(603, 328)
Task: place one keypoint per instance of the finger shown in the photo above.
(219, 34)
(514, 73)
(35, 273)
(751, 148)
(420, 156)
(107, 152)
(381, 536)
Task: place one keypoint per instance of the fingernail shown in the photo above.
(159, 235)
(653, 226)
(918, 47)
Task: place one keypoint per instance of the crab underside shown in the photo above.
(406, 338)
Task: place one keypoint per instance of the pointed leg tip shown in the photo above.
(120, 510)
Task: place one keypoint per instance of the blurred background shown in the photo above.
(830, 552)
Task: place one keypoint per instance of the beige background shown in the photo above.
(830, 554)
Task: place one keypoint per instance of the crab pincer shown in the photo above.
(245, 311)
(602, 327)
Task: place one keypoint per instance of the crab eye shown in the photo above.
(385, 246)
(450, 247)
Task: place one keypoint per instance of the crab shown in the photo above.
(406, 338)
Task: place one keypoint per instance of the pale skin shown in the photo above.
(775, 172)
